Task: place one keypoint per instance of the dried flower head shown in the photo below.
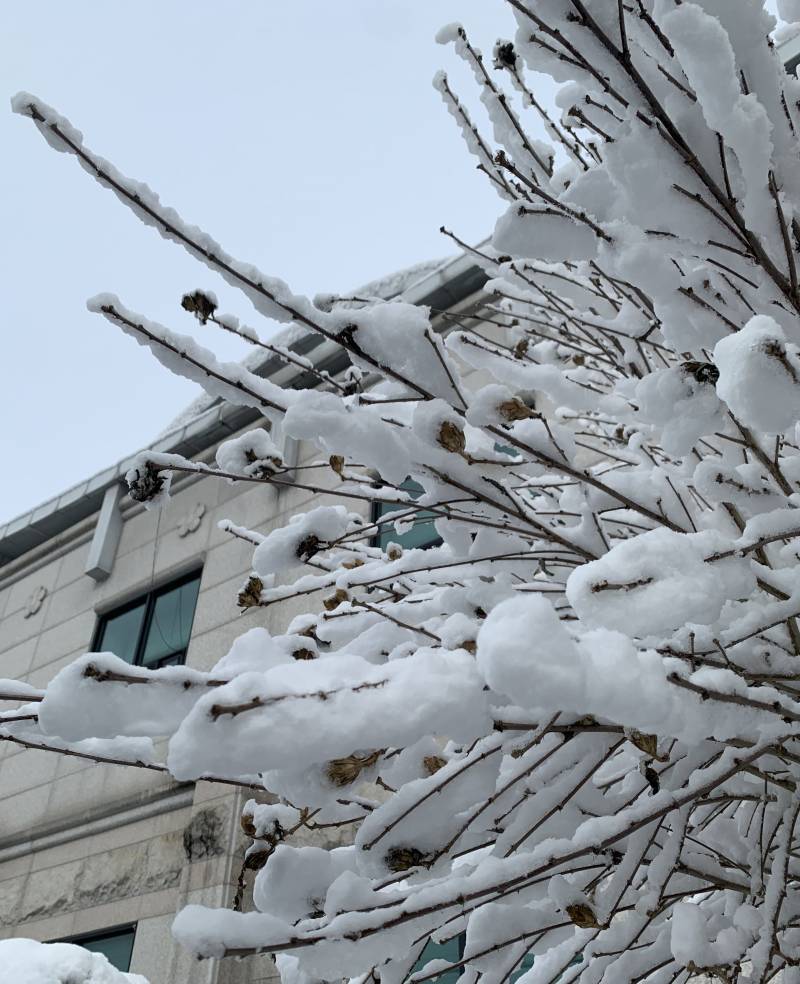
(250, 595)
(344, 771)
(265, 467)
(339, 597)
(309, 546)
(703, 372)
(146, 484)
(433, 763)
(247, 822)
(200, 304)
(583, 916)
(399, 859)
(255, 860)
(451, 437)
(645, 743)
(304, 654)
(504, 55)
(515, 409)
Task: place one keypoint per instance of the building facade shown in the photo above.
(102, 854)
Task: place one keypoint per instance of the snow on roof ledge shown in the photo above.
(444, 285)
(789, 51)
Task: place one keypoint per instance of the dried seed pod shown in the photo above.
(645, 743)
(349, 565)
(339, 597)
(703, 372)
(582, 915)
(521, 349)
(347, 336)
(200, 305)
(504, 55)
(336, 461)
(451, 437)
(250, 595)
(403, 858)
(515, 409)
(433, 763)
(344, 771)
(395, 552)
(255, 860)
(304, 654)
(247, 823)
(146, 484)
(308, 547)
(266, 466)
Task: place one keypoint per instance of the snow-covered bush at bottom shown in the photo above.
(30, 962)
(565, 736)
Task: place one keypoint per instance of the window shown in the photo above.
(422, 532)
(153, 630)
(116, 944)
(452, 950)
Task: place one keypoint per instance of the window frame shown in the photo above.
(149, 598)
(125, 929)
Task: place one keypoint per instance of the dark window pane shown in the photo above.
(450, 951)
(120, 633)
(523, 968)
(422, 533)
(171, 623)
(506, 449)
(116, 946)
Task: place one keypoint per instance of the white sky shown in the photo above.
(304, 135)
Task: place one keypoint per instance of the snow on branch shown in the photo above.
(548, 670)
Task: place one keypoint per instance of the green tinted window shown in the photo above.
(506, 449)
(421, 534)
(120, 633)
(524, 967)
(450, 951)
(116, 946)
(170, 623)
(155, 630)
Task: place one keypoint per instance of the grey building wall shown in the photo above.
(84, 846)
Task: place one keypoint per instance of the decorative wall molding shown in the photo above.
(192, 520)
(35, 601)
(97, 821)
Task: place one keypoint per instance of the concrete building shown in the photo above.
(105, 854)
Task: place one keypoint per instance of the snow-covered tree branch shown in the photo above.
(570, 730)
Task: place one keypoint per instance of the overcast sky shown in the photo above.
(303, 134)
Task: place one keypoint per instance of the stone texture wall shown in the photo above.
(74, 858)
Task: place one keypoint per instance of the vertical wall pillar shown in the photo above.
(103, 548)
